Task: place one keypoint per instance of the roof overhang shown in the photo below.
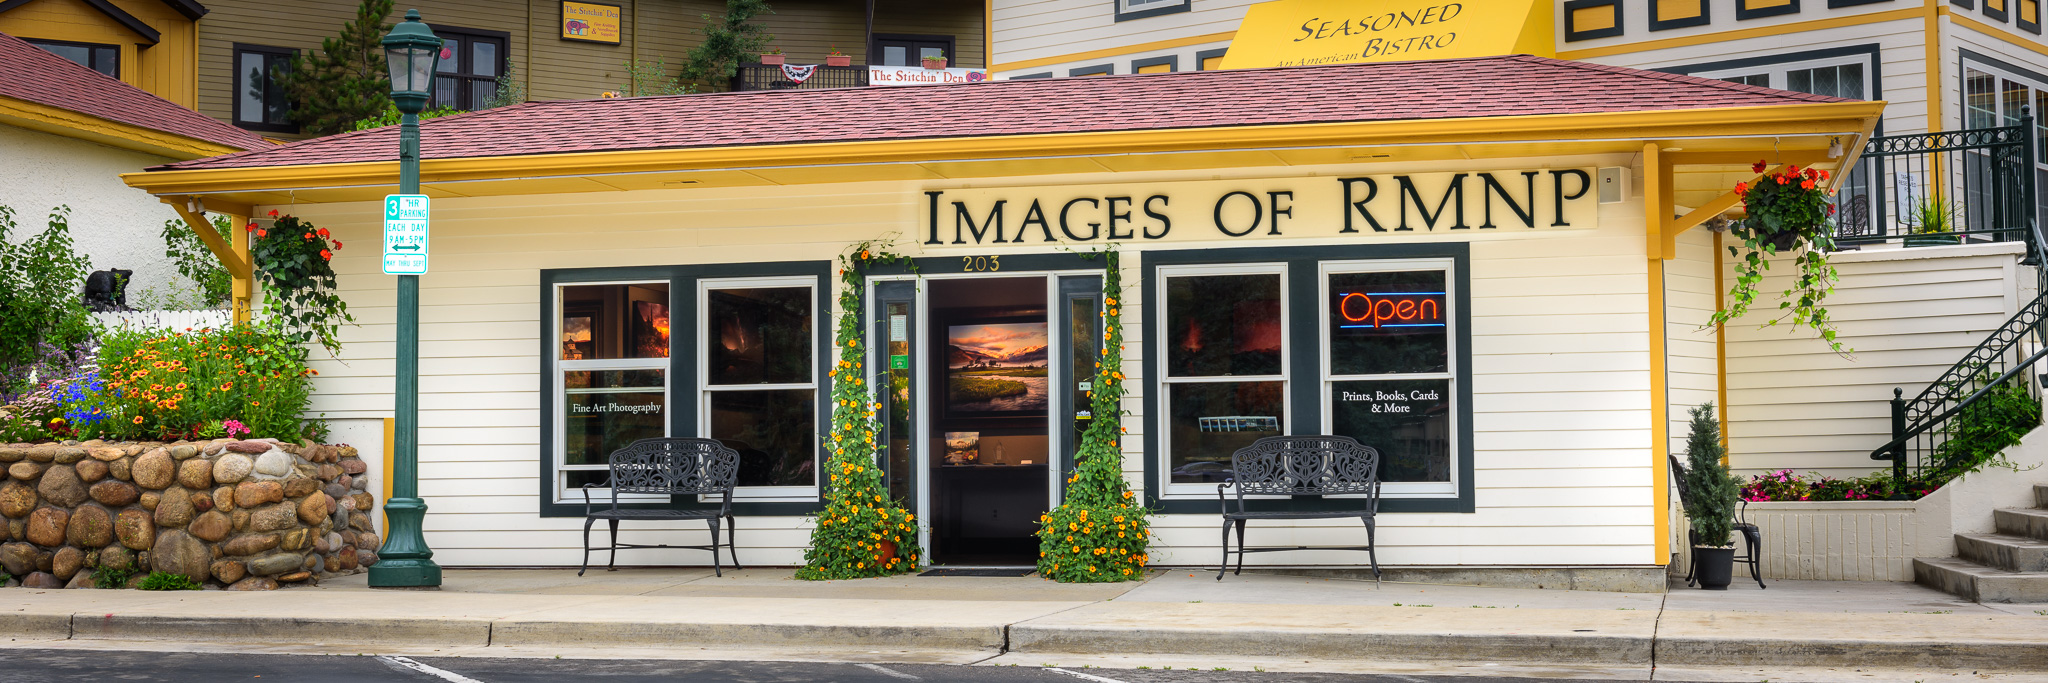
(57, 121)
(1712, 147)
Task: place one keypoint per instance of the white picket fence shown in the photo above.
(166, 320)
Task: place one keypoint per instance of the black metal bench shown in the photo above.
(1752, 537)
(1301, 466)
(668, 467)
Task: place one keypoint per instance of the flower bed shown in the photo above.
(245, 381)
(240, 514)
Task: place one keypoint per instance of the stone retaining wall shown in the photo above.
(244, 515)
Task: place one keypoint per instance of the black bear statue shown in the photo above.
(107, 290)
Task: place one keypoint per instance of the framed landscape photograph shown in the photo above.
(997, 369)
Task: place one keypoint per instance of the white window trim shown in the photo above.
(1128, 6)
(1777, 72)
(559, 385)
(1395, 489)
(1181, 491)
(1963, 92)
(704, 388)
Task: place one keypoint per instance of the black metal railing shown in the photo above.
(1973, 185)
(2003, 365)
(762, 77)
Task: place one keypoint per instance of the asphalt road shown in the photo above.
(47, 666)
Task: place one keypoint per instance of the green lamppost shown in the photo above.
(410, 50)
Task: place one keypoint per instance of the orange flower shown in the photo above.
(326, 255)
(138, 419)
(262, 233)
(1808, 183)
(323, 232)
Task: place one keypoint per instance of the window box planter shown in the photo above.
(839, 60)
(935, 62)
(1932, 240)
(774, 60)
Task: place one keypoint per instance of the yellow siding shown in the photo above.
(164, 69)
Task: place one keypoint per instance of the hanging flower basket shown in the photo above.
(1789, 213)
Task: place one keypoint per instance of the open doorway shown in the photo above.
(990, 382)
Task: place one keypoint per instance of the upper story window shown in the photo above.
(1138, 9)
(466, 78)
(105, 59)
(908, 50)
(260, 102)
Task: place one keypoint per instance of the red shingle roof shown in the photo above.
(1517, 85)
(31, 74)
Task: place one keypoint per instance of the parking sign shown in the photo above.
(405, 234)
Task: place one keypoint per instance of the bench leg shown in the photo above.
(731, 544)
(1756, 561)
(1372, 550)
(715, 570)
(612, 565)
(1240, 547)
(587, 522)
(1224, 565)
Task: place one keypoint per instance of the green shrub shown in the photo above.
(116, 577)
(196, 261)
(44, 327)
(166, 581)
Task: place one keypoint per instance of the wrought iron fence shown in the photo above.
(762, 77)
(1974, 185)
(1981, 185)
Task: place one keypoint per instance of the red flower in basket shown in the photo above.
(337, 244)
(323, 232)
(1758, 168)
(273, 213)
(251, 227)
(326, 255)
(1742, 189)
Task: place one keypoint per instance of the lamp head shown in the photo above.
(411, 51)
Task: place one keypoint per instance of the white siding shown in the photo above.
(1909, 314)
(1959, 38)
(1046, 29)
(1559, 323)
(1690, 368)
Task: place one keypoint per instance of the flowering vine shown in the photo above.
(1099, 533)
(862, 532)
(1788, 212)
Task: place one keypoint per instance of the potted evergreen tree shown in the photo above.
(1714, 496)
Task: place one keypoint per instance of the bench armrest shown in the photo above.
(606, 484)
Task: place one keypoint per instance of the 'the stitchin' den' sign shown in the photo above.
(1365, 206)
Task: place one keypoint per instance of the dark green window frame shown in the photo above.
(1304, 376)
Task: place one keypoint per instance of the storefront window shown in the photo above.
(1388, 374)
(1225, 386)
(760, 386)
(612, 375)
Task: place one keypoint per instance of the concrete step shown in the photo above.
(2029, 522)
(2004, 551)
(1980, 583)
(2041, 495)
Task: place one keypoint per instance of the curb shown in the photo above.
(39, 626)
(513, 632)
(1331, 645)
(436, 632)
(1817, 652)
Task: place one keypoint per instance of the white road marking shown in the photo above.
(443, 674)
(1082, 676)
(886, 671)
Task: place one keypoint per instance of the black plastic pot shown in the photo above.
(1713, 567)
(1932, 240)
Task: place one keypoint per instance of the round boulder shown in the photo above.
(107, 453)
(155, 470)
(41, 580)
(46, 526)
(274, 517)
(298, 487)
(90, 471)
(315, 509)
(91, 527)
(183, 451)
(229, 571)
(67, 455)
(115, 556)
(25, 470)
(66, 563)
(255, 583)
(17, 559)
(294, 577)
(232, 467)
(17, 499)
(365, 558)
(179, 553)
(354, 466)
(135, 529)
(270, 565)
(224, 498)
(202, 501)
(211, 527)
(114, 493)
(250, 544)
(274, 463)
(123, 469)
(195, 474)
(250, 447)
(250, 494)
(60, 486)
(175, 508)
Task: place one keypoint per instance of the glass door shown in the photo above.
(1080, 304)
(893, 322)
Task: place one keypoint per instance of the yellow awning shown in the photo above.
(1306, 32)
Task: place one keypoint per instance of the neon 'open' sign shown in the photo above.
(1385, 310)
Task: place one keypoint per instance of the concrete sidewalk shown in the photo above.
(1286, 622)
